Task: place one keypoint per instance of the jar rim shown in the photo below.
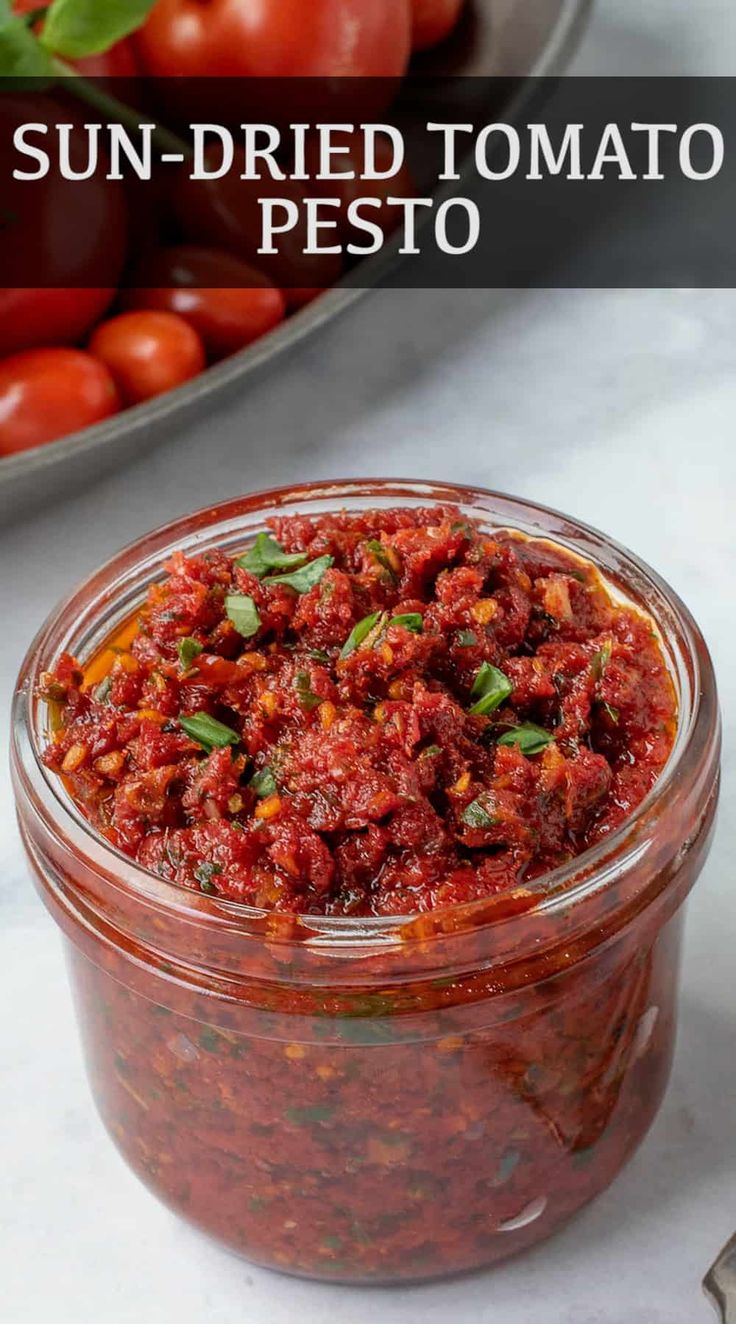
(695, 750)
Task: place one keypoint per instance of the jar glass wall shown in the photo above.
(388, 1099)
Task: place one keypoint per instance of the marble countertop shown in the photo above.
(620, 408)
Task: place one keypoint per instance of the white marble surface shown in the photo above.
(619, 407)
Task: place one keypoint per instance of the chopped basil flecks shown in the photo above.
(243, 612)
(359, 633)
(101, 692)
(612, 713)
(530, 739)
(267, 554)
(303, 1116)
(307, 698)
(208, 732)
(263, 784)
(490, 689)
(508, 1165)
(476, 816)
(411, 620)
(467, 638)
(600, 661)
(188, 649)
(308, 577)
(204, 873)
(380, 552)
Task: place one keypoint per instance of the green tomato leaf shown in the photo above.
(530, 739)
(412, 621)
(476, 816)
(267, 554)
(208, 732)
(359, 633)
(308, 577)
(490, 689)
(243, 612)
(75, 28)
(21, 56)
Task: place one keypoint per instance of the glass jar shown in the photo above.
(375, 1100)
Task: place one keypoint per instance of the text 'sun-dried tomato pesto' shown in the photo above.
(367, 714)
(369, 837)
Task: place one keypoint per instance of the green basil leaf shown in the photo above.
(359, 633)
(188, 649)
(208, 732)
(307, 698)
(243, 612)
(530, 739)
(476, 816)
(87, 27)
(267, 554)
(490, 688)
(21, 56)
(412, 620)
(467, 638)
(263, 784)
(308, 577)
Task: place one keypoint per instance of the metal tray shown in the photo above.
(510, 38)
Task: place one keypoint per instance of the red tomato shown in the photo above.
(228, 303)
(49, 317)
(148, 353)
(118, 62)
(433, 21)
(225, 214)
(277, 38)
(58, 233)
(47, 393)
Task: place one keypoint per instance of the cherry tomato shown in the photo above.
(226, 302)
(148, 353)
(277, 38)
(433, 21)
(225, 214)
(47, 393)
(118, 62)
(29, 318)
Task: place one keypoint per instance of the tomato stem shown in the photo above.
(90, 92)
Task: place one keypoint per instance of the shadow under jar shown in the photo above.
(377, 1100)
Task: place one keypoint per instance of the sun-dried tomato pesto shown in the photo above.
(367, 714)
